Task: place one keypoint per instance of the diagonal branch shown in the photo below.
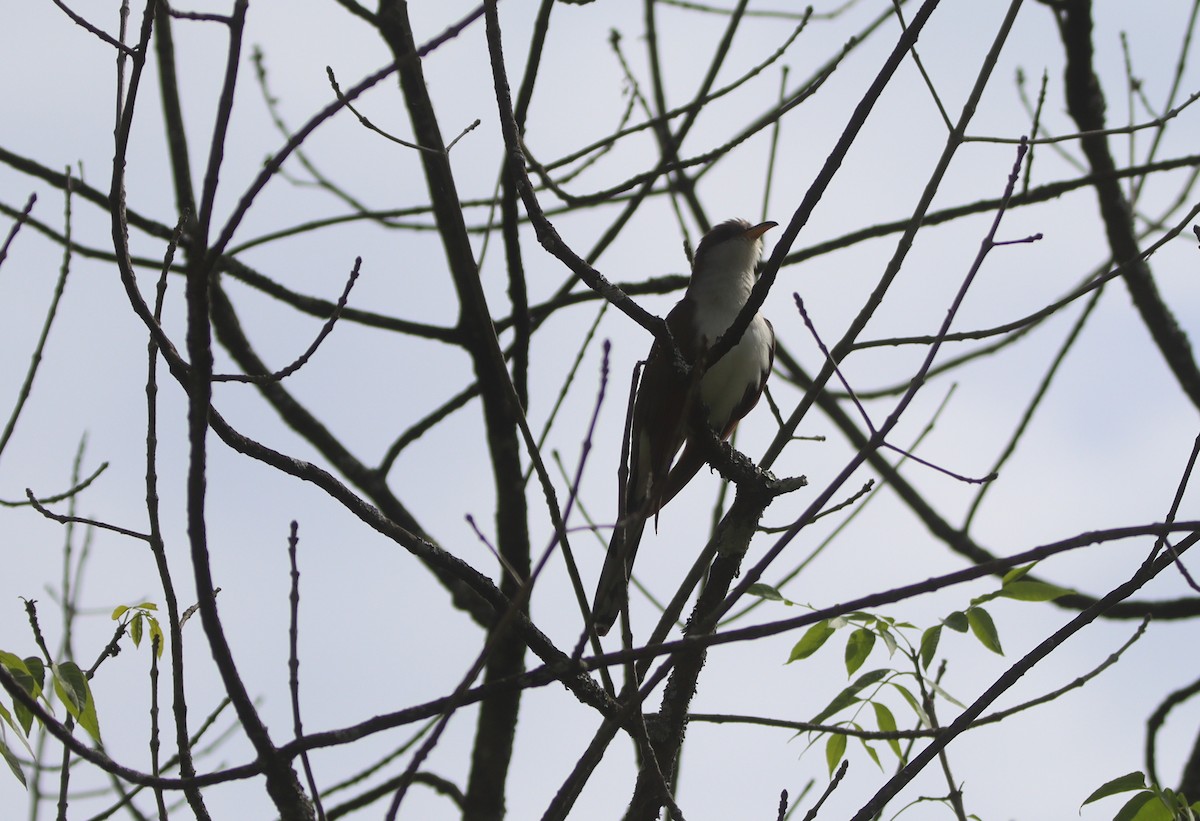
(1085, 103)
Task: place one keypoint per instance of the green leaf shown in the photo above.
(19, 670)
(38, 671)
(22, 677)
(858, 647)
(887, 723)
(811, 641)
(849, 695)
(90, 720)
(30, 681)
(984, 629)
(1016, 573)
(1122, 784)
(956, 621)
(889, 640)
(929, 644)
(147, 605)
(119, 611)
(29, 675)
(1034, 591)
(13, 763)
(1175, 803)
(765, 591)
(1144, 806)
(156, 635)
(21, 736)
(871, 752)
(984, 599)
(135, 630)
(912, 702)
(72, 687)
(835, 748)
(937, 688)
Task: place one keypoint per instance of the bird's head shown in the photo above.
(730, 250)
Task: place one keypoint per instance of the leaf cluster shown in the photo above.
(915, 686)
(1148, 803)
(70, 682)
(70, 685)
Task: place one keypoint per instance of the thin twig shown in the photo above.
(833, 785)
(1157, 122)
(1179, 491)
(22, 217)
(294, 663)
(370, 126)
(84, 24)
(302, 360)
(63, 519)
(66, 494)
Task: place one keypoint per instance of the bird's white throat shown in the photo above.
(721, 284)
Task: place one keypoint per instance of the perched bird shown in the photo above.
(723, 273)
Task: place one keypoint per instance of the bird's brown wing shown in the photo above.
(659, 427)
(660, 415)
(692, 458)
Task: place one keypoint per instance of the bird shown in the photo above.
(723, 274)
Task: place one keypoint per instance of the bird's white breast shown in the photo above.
(726, 382)
(719, 288)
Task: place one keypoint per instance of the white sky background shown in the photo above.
(1106, 449)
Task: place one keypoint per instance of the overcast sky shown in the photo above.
(1106, 449)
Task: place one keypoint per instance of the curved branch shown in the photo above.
(1085, 104)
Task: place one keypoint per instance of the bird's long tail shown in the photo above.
(613, 587)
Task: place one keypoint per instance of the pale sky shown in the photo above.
(1106, 449)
